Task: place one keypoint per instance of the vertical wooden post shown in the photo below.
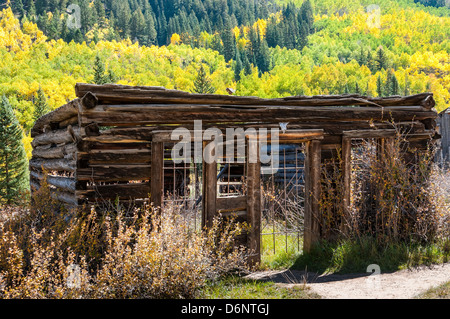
(157, 175)
(312, 195)
(209, 192)
(346, 180)
(254, 203)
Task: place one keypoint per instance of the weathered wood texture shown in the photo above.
(312, 195)
(128, 94)
(443, 153)
(63, 116)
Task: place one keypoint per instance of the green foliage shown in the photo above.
(202, 83)
(40, 105)
(14, 178)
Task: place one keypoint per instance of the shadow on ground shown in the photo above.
(301, 277)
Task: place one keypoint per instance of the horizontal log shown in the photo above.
(63, 136)
(85, 146)
(60, 115)
(370, 133)
(67, 198)
(231, 108)
(64, 183)
(231, 204)
(122, 156)
(114, 139)
(67, 151)
(111, 192)
(66, 165)
(324, 114)
(124, 94)
(114, 173)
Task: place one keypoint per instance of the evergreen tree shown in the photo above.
(381, 59)
(380, 86)
(238, 67)
(406, 88)
(394, 86)
(40, 105)
(99, 71)
(14, 175)
(202, 83)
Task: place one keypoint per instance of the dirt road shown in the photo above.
(404, 284)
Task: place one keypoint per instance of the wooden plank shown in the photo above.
(346, 180)
(111, 192)
(114, 173)
(209, 192)
(370, 133)
(312, 195)
(254, 204)
(231, 204)
(126, 156)
(157, 174)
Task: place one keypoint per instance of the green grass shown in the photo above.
(440, 292)
(285, 253)
(235, 287)
(353, 256)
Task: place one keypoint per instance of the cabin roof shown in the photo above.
(112, 94)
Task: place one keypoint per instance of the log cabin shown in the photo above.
(113, 142)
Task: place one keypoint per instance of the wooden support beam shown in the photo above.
(312, 195)
(209, 192)
(157, 175)
(346, 180)
(254, 204)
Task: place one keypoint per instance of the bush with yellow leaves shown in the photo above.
(147, 255)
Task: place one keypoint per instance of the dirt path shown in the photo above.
(404, 284)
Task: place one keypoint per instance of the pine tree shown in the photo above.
(202, 83)
(99, 71)
(40, 104)
(381, 59)
(394, 87)
(380, 86)
(238, 66)
(14, 176)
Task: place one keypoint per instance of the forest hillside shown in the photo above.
(268, 48)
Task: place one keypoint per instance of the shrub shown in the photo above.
(147, 255)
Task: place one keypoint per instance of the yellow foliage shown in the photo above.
(175, 39)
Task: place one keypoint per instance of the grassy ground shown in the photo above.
(347, 256)
(240, 288)
(441, 292)
(353, 256)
